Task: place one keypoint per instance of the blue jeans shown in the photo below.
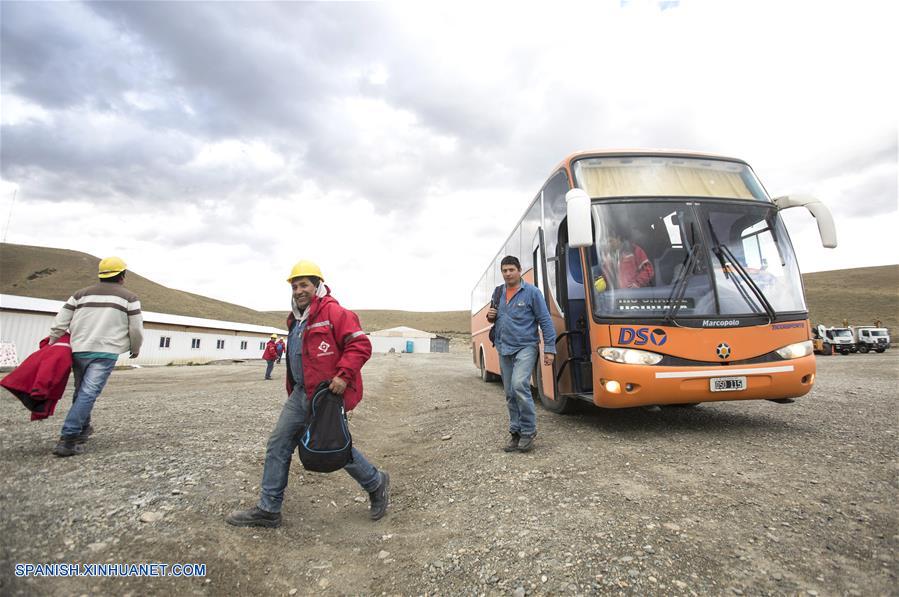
(283, 443)
(90, 378)
(516, 369)
(268, 369)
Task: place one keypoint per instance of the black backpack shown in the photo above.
(494, 302)
(326, 445)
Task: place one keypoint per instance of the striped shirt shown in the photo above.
(105, 317)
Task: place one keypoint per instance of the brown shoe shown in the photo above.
(68, 446)
(526, 444)
(380, 498)
(512, 446)
(254, 517)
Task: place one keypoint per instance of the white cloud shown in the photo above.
(397, 144)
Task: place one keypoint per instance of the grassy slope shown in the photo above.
(55, 274)
(860, 295)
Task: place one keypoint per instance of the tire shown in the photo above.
(486, 376)
(844, 352)
(880, 349)
(685, 405)
(561, 405)
(863, 349)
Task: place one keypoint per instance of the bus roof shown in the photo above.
(642, 152)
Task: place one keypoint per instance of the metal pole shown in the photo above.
(13, 202)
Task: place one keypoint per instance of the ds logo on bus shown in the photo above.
(642, 336)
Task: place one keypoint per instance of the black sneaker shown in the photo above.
(512, 446)
(254, 517)
(380, 498)
(85, 434)
(68, 446)
(526, 444)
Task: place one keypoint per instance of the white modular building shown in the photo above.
(168, 339)
(406, 339)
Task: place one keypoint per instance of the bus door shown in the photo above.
(546, 375)
(574, 373)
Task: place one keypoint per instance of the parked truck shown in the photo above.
(828, 340)
(868, 338)
(842, 340)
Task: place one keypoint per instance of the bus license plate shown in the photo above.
(727, 384)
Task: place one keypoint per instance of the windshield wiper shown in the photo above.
(722, 251)
(680, 285)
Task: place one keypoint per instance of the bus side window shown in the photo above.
(575, 275)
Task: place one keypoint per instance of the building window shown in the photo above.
(262, 346)
(243, 345)
(220, 344)
(195, 343)
(165, 341)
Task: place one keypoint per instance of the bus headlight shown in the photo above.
(629, 356)
(796, 351)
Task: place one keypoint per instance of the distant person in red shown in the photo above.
(279, 346)
(270, 355)
(624, 265)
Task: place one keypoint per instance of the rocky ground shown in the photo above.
(727, 498)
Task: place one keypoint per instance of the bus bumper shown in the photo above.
(622, 386)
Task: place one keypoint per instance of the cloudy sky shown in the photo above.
(214, 144)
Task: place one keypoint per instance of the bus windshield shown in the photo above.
(664, 176)
(673, 259)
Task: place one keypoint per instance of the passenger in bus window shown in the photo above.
(624, 265)
(521, 309)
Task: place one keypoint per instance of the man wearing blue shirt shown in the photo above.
(521, 309)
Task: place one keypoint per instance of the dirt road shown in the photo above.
(728, 498)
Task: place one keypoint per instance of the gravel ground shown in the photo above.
(727, 498)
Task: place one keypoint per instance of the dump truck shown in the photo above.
(868, 338)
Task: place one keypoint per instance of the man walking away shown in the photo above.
(520, 310)
(104, 321)
(325, 344)
(270, 355)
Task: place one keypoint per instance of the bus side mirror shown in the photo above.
(580, 228)
(826, 228)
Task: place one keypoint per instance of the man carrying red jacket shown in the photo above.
(40, 381)
(325, 343)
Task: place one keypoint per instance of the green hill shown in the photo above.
(48, 273)
(860, 295)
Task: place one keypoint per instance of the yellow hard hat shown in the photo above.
(274, 336)
(600, 284)
(111, 266)
(304, 269)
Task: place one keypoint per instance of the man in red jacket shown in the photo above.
(325, 344)
(270, 355)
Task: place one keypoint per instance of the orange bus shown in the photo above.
(670, 279)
